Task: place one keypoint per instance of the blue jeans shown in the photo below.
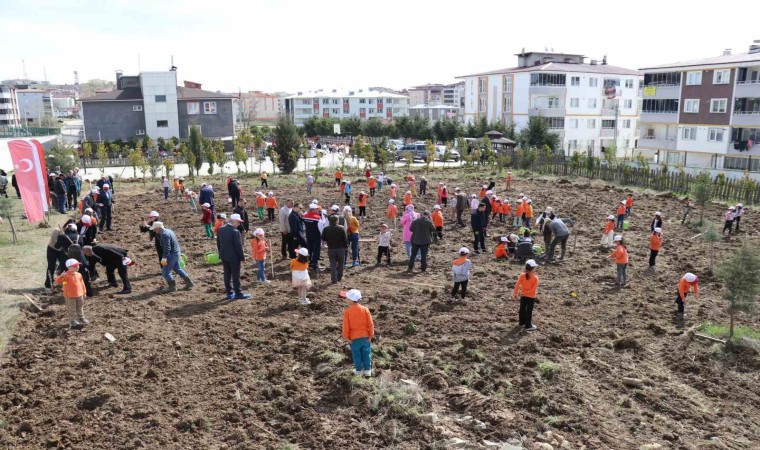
(353, 239)
(172, 263)
(408, 248)
(621, 219)
(62, 203)
(379, 185)
(166, 193)
(260, 273)
(361, 352)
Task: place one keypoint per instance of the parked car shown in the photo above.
(417, 150)
(440, 150)
(397, 143)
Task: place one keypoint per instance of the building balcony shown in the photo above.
(746, 118)
(748, 88)
(660, 91)
(547, 112)
(558, 90)
(659, 116)
(658, 142)
(607, 133)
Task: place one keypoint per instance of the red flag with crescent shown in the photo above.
(31, 174)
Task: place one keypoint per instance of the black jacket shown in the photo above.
(233, 189)
(656, 223)
(245, 225)
(229, 244)
(297, 232)
(491, 185)
(422, 231)
(335, 237)
(89, 235)
(60, 187)
(489, 208)
(108, 255)
(152, 236)
(478, 221)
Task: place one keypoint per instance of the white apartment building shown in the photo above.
(591, 106)
(361, 103)
(8, 106)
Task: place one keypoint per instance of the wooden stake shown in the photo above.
(271, 261)
(33, 302)
(709, 338)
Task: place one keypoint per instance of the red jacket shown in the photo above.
(207, 218)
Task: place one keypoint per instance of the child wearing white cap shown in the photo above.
(358, 330)
(608, 232)
(259, 249)
(392, 212)
(501, 251)
(729, 218)
(527, 285)
(74, 292)
(621, 260)
(738, 213)
(460, 273)
(384, 244)
(688, 281)
(299, 269)
(655, 243)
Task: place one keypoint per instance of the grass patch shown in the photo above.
(548, 370)
(721, 331)
(402, 399)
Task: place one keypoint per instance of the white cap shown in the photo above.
(658, 230)
(489, 192)
(464, 250)
(658, 213)
(86, 219)
(391, 201)
(529, 201)
(531, 263)
(157, 224)
(354, 295)
(622, 202)
(347, 208)
(732, 208)
(521, 195)
(690, 277)
(740, 205)
(519, 200)
(270, 193)
(335, 207)
(71, 262)
(348, 182)
(617, 238)
(206, 205)
(548, 209)
(303, 251)
(513, 237)
(258, 232)
(313, 206)
(485, 186)
(153, 214)
(106, 186)
(610, 217)
(504, 239)
(315, 201)
(437, 207)
(88, 209)
(236, 218)
(473, 195)
(223, 215)
(72, 226)
(408, 192)
(95, 191)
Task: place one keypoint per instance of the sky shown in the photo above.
(295, 46)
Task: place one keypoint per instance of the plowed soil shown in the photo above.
(191, 370)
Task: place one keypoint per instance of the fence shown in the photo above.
(679, 182)
(22, 132)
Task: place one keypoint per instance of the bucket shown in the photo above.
(212, 258)
(537, 249)
(182, 261)
(626, 224)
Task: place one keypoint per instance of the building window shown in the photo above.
(325, 101)
(137, 108)
(662, 79)
(718, 105)
(389, 101)
(572, 144)
(592, 103)
(160, 99)
(507, 104)
(572, 123)
(548, 79)
(372, 110)
(336, 110)
(659, 106)
(715, 134)
(689, 133)
(209, 107)
(575, 81)
(556, 122)
(608, 124)
(507, 83)
(482, 82)
(140, 133)
(193, 108)
(691, 105)
(629, 83)
(676, 158)
(626, 123)
(482, 105)
(575, 102)
(721, 76)
(628, 104)
(591, 123)
(363, 100)
(611, 82)
(694, 78)
(162, 123)
(553, 102)
(593, 82)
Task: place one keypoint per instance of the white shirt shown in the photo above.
(166, 182)
(310, 180)
(474, 204)
(380, 178)
(384, 239)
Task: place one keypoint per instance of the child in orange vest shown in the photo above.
(362, 204)
(501, 252)
(437, 218)
(527, 284)
(621, 215)
(686, 283)
(655, 243)
(271, 204)
(506, 208)
(260, 203)
(483, 191)
(628, 205)
(621, 260)
(408, 198)
(221, 219)
(392, 212)
(508, 181)
(495, 208)
(358, 330)
(338, 177)
(259, 250)
(74, 292)
(299, 269)
(520, 210)
(392, 192)
(372, 185)
(608, 232)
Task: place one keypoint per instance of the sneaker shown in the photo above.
(231, 296)
(532, 328)
(75, 325)
(304, 301)
(266, 281)
(124, 291)
(358, 372)
(452, 299)
(367, 373)
(242, 296)
(84, 321)
(113, 285)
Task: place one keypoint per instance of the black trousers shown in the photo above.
(362, 211)
(652, 257)
(231, 277)
(526, 311)
(459, 217)
(235, 199)
(728, 226)
(122, 269)
(284, 244)
(86, 278)
(270, 214)
(479, 240)
(383, 251)
(679, 302)
(438, 233)
(736, 221)
(337, 257)
(52, 262)
(423, 190)
(348, 198)
(314, 246)
(371, 192)
(105, 221)
(423, 251)
(71, 198)
(456, 287)
(264, 183)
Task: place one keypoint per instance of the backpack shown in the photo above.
(75, 252)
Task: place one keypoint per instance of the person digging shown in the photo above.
(170, 252)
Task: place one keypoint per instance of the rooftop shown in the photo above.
(358, 93)
(424, 106)
(711, 61)
(135, 93)
(604, 69)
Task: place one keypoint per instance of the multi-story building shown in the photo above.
(8, 106)
(151, 103)
(258, 106)
(703, 113)
(364, 104)
(438, 94)
(434, 113)
(591, 106)
(33, 104)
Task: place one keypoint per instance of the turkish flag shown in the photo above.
(31, 174)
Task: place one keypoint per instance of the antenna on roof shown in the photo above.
(173, 68)
(552, 49)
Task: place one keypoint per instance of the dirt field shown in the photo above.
(193, 371)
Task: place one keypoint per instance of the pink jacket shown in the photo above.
(406, 222)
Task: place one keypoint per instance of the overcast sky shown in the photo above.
(275, 45)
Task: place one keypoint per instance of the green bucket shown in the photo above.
(213, 258)
(182, 261)
(537, 249)
(626, 224)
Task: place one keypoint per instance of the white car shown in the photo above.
(440, 150)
